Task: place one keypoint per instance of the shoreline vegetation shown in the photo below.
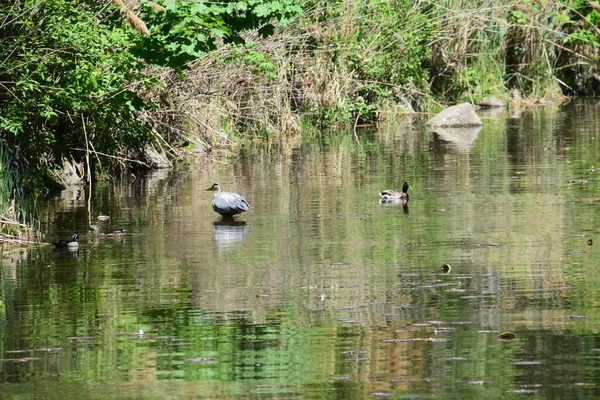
(96, 87)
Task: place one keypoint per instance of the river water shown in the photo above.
(321, 291)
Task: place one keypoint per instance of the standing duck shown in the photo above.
(391, 195)
(228, 204)
(69, 244)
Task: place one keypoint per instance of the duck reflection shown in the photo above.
(229, 233)
(397, 202)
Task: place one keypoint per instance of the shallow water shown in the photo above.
(321, 291)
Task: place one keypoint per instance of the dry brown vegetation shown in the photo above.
(513, 50)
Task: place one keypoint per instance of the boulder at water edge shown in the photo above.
(460, 115)
(491, 102)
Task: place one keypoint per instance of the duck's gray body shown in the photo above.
(387, 195)
(228, 204)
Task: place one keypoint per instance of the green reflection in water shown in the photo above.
(320, 291)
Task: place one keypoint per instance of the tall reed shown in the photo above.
(16, 223)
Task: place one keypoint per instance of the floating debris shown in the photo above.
(577, 316)
(436, 322)
(382, 394)
(341, 378)
(103, 217)
(446, 268)
(200, 360)
(526, 363)
(455, 290)
(524, 391)
(507, 336)
(480, 383)
(81, 339)
(49, 349)
(414, 340)
(24, 359)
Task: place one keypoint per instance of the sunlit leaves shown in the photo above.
(187, 29)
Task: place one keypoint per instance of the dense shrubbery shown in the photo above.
(80, 78)
(75, 76)
(456, 50)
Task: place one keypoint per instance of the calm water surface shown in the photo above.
(321, 291)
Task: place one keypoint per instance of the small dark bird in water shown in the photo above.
(391, 195)
(68, 244)
(228, 204)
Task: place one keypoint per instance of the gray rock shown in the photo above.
(460, 115)
(491, 102)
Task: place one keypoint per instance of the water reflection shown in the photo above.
(228, 233)
(462, 138)
(396, 203)
(332, 295)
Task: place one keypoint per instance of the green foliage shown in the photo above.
(13, 213)
(383, 45)
(75, 74)
(64, 70)
(258, 62)
(185, 30)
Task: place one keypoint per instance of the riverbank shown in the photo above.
(359, 63)
(138, 96)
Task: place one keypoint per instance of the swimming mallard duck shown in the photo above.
(228, 204)
(69, 244)
(392, 195)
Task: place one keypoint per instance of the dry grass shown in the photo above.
(480, 49)
(217, 99)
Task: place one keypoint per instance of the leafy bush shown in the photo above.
(183, 31)
(75, 75)
(65, 70)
